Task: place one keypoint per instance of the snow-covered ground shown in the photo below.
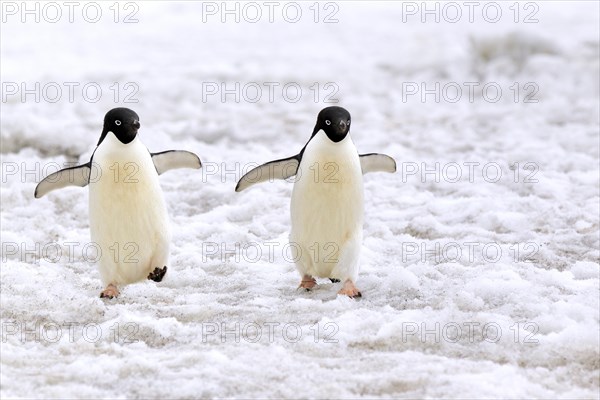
(479, 285)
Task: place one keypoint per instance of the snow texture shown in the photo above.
(474, 286)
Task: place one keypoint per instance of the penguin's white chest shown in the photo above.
(128, 215)
(327, 204)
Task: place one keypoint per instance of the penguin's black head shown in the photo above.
(123, 122)
(335, 122)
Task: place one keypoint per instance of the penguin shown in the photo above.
(128, 215)
(327, 200)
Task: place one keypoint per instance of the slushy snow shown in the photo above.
(480, 259)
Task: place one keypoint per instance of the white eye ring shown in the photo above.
(117, 122)
(327, 122)
(348, 123)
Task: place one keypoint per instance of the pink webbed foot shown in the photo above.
(110, 292)
(350, 290)
(308, 282)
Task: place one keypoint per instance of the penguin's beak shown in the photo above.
(342, 125)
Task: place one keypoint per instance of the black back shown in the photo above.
(123, 122)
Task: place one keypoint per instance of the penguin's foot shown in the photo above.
(333, 280)
(350, 290)
(110, 292)
(308, 282)
(158, 274)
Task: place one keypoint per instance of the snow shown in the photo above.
(474, 286)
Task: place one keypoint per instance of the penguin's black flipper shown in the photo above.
(375, 162)
(74, 176)
(173, 159)
(278, 169)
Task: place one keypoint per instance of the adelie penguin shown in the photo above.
(128, 214)
(327, 200)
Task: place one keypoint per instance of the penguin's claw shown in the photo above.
(350, 290)
(333, 280)
(110, 292)
(158, 274)
(308, 282)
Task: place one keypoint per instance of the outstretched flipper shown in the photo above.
(278, 169)
(375, 162)
(74, 176)
(288, 167)
(173, 159)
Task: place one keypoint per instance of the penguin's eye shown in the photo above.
(348, 123)
(327, 122)
(117, 122)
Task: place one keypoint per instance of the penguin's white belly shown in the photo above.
(128, 215)
(327, 209)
